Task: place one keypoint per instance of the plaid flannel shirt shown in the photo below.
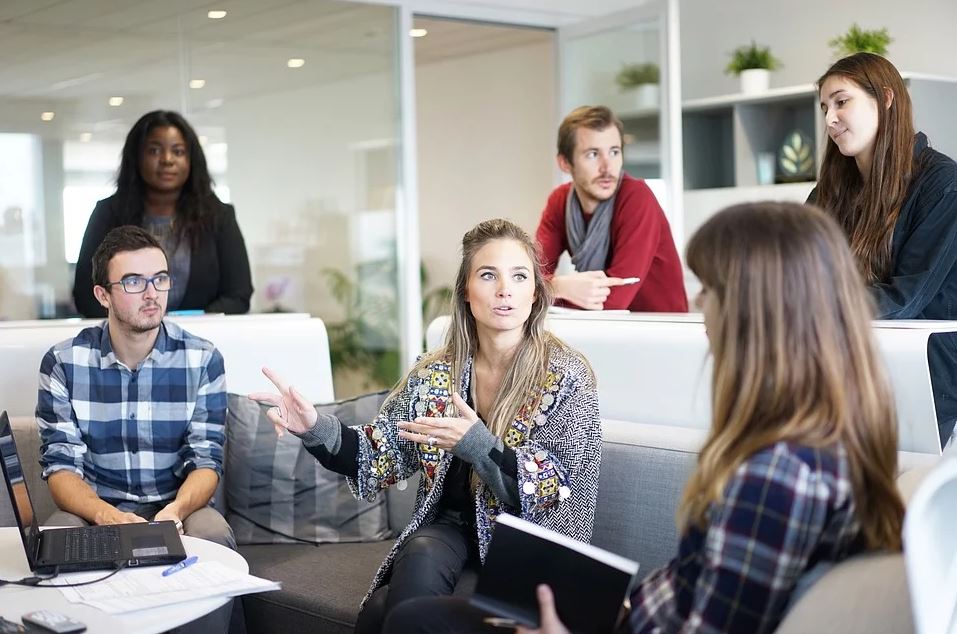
(786, 509)
(132, 435)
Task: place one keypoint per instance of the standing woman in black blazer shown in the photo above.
(164, 186)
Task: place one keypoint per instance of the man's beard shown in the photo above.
(143, 324)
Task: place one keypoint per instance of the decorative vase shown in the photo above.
(796, 158)
(755, 80)
(646, 96)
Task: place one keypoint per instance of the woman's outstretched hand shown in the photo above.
(443, 433)
(290, 409)
(549, 623)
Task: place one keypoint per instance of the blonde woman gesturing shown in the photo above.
(502, 419)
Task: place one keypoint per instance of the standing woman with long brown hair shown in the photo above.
(798, 467)
(896, 200)
(501, 419)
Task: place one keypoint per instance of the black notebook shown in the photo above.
(589, 583)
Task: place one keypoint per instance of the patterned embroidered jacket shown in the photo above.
(562, 437)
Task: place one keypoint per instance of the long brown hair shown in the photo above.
(867, 209)
(794, 358)
(530, 363)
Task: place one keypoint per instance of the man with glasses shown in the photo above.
(132, 412)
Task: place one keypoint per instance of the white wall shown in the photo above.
(486, 137)
(798, 34)
(296, 179)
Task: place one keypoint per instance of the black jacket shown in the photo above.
(219, 277)
(923, 280)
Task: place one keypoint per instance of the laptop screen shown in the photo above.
(17, 487)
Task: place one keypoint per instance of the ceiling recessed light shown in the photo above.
(115, 101)
(216, 15)
(86, 137)
(47, 116)
(296, 62)
(418, 32)
(214, 103)
(196, 84)
(203, 139)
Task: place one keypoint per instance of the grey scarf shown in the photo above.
(589, 247)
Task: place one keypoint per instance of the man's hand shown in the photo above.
(588, 289)
(172, 513)
(113, 515)
(549, 623)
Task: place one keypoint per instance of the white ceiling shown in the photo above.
(70, 56)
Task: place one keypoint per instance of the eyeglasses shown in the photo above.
(138, 283)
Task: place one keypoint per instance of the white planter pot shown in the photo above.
(646, 96)
(755, 80)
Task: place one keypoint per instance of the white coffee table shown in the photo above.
(18, 600)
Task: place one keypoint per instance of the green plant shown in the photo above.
(753, 56)
(634, 75)
(857, 40)
(367, 338)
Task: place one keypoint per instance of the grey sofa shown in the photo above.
(640, 487)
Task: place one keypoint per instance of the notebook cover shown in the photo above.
(589, 583)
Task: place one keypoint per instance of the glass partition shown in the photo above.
(628, 62)
(297, 110)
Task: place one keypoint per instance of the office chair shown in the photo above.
(930, 550)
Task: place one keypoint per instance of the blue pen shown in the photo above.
(189, 561)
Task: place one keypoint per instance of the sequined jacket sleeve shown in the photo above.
(384, 459)
(559, 458)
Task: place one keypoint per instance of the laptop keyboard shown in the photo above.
(96, 543)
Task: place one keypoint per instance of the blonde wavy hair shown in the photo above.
(794, 358)
(530, 363)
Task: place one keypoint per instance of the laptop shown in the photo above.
(82, 548)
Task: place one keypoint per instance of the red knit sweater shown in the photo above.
(641, 246)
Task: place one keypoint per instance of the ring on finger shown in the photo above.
(432, 440)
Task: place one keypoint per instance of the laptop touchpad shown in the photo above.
(149, 546)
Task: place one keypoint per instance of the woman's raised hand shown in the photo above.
(290, 409)
(443, 433)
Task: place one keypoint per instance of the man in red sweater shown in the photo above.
(610, 223)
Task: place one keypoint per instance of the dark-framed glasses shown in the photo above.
(138, 283)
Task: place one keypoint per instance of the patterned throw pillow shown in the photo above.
(277, 492)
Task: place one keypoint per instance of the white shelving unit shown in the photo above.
(723, 136)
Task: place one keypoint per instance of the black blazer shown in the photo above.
(923, 278)
(219, 277)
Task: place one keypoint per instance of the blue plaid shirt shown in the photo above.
(786, 509)
(132, 435)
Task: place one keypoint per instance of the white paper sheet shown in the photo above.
(142, 588)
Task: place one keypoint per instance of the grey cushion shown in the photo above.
(322, 585)
(28, 447)
(277, 492)
(866, 594)
(638, 495)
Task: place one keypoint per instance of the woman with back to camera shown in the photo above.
(799, 464)
(896, 199)
(163, 185)
(501, 419)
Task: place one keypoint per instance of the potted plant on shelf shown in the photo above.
(641, 81)
(753, 64)
(857, 40)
